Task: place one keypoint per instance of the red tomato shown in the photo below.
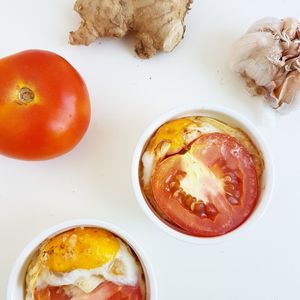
(105, 291)
(211, 189)
(51, 293)
(44, 105)
(111, 291)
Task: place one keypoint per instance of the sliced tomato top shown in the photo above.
(209, 190)
(105, 291)
(51, 293)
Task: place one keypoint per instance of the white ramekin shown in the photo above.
(15, 289)
(230, 117)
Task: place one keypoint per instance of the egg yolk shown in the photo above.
(172, 132)
(80, 248)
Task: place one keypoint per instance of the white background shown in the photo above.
(126, 95)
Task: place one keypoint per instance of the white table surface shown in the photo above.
(127, 93)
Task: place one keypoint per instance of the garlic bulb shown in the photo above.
(268, 58)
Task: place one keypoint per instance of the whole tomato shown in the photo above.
(44, 105)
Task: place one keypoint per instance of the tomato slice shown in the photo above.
(51, 293)
(105, 291)
(209, 190)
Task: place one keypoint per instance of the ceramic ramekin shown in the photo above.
(15, 289)
(231, 118)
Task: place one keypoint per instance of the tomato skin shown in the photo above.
(51, 293)
(105, 291)
(110, 291)
(221, 154)
(58, 116)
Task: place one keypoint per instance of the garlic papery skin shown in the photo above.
(267, 56)
(288, 94)
(269, 24)
(257, 56)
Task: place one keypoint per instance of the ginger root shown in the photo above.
(157, 24)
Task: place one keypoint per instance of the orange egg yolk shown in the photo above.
(172, 132)
(80, 248)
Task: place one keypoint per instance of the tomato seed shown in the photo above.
(233, 201)
(227, 179)
(180, 175)
(229, 187)
(167, 188)
(211, 211)
(177, 194)
(237, 194)
(169, 179)
(234, 179)
(192, 206)
(199, 209)
(188, 201)
(172, 184)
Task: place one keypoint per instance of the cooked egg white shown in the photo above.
(121, 268)
(181, 132)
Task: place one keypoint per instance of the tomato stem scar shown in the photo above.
(26, 95)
